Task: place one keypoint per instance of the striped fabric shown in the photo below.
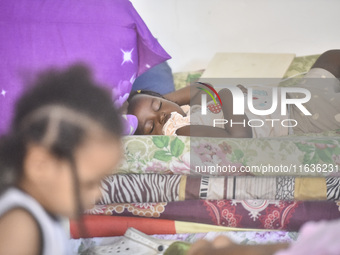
(156, 188)
(333, 188)
(135, 188)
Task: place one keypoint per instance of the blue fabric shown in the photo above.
(158, 78)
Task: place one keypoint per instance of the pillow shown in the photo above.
(108, 36)
(159, 79)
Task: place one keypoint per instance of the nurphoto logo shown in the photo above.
(238, 99)
(278, 94)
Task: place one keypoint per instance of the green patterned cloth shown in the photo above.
(184, 79)
(310, 155)
(300, 65)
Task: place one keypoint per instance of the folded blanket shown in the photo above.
(314, 155)
(145, 188)
(101, 226)
(257, 214)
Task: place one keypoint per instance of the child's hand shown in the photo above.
(224, 246)
(221, 245)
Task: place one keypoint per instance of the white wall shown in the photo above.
(193, 30)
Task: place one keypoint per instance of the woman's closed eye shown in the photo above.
(152, 128)
(157, 105)
(149, 127)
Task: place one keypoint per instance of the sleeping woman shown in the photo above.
(171, 114)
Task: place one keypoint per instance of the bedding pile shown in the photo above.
(158, 191)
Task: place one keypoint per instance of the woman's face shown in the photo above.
(152, 113)
(53, 185)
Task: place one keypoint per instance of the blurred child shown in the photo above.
(64, 138)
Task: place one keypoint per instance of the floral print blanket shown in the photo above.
(314, 155)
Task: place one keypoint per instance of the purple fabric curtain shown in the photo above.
(107, 35)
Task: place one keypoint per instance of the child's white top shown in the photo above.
(53, 235)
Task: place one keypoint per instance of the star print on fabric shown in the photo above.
(133, 78)
(3, 92)
(127, 56)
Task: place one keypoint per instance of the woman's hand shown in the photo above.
(124, 108)
(190, 95)
(244, 89)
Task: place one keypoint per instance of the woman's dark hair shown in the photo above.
(57, 112)
(143, 92)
